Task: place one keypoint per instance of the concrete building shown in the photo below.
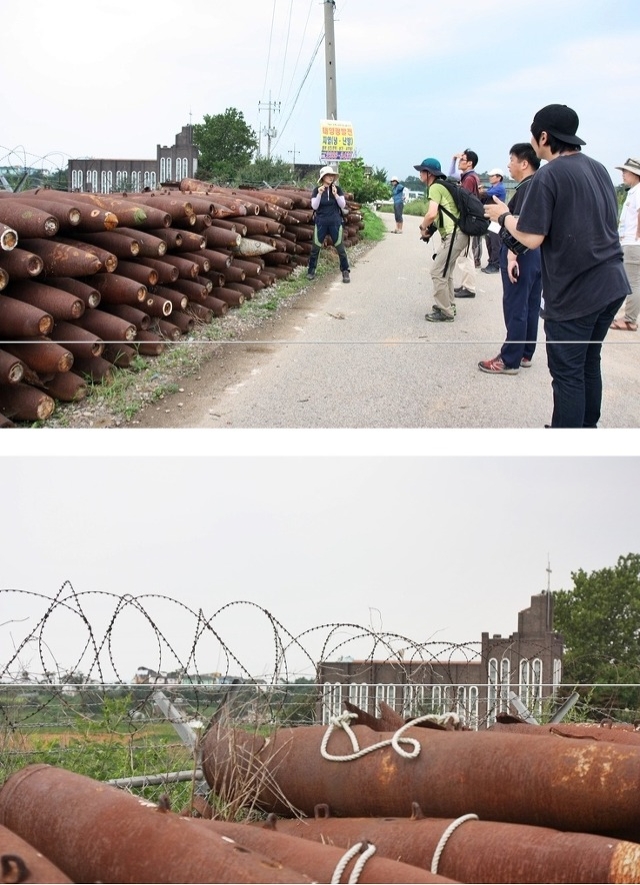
(105, 176)
(476, 685)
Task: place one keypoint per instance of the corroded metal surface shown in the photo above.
(96, 833)
(566, 784)
(20, 862)
(481, 851)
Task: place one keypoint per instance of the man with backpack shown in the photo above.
(442, 215)
(462, 169)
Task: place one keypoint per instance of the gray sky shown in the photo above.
(415, 80)
(432, 548)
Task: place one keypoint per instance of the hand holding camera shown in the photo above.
(427, 232)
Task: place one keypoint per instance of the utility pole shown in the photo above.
(293, 152)
(270, 131)
(330, 60)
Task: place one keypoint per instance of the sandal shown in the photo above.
(624, 326)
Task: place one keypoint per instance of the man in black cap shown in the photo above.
(453, 241)
(571, 212)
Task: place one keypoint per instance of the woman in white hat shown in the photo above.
(328, 201)
(629, 230)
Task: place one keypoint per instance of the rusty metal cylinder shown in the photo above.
(25, 403)
(178, 299)
(187, 269)
(86, 292)
(91, 218)
(138, 271)
(11, 369)
(120, 355)
(319, 861)
(27, 220)
(140, 319)
(19, 319)
(20, 264)
(182, 320)
(68, 387)
(8, 237)
(470, 850)
(96, 833)
(77, 340)
(116, 289)
(61, 260)
(194, 290)
(233, 298)
(96, 368)
(157, 306)
(61, 305)
(167, 273)
(107, 327)
(566, 784)
(42, 355)
(67, 215)
(108, 261)
(20, 862)
(220, 238)
(120, 245)
(150, 245)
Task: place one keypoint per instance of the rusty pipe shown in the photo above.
(177, 298)
(61, 260)
(77, 340)
(565, 784)
(119, 244)
(149, 245)
(317, 861)
(469, 850)
(20, 862)
(85, 292)
(116, 289)
(68, 387)
(108, 261)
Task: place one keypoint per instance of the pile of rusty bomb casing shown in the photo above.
(476, 806)
(87, 281)
(92, 832)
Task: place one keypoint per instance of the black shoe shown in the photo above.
(491, 268)
(464, 293)
(438, 317)
(435, 307)
(345, 276)
(311, 275)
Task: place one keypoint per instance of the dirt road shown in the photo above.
(362, 356)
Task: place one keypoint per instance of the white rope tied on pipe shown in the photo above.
(453, 826)
(343, 720)
(366, 850)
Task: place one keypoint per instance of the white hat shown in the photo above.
(631, 166)
(496, 171)
(394, 178)
(326, 170)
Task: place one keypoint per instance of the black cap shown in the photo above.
(560, 121)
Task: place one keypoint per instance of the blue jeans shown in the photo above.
(573, 356)
(521, 307)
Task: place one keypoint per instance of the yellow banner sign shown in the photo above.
(336, 140)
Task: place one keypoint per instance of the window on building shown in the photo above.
(185, 167)
(535, 698)
(153, 180)
(118, 179)
(524, 689)
(557, 673)
(492, 691)
(178, 167)
(472, 707)
(168, 168)
(358, 695)
(505, 684)
(331, 701)
(109, 181)
(163, 169)
(146, 179)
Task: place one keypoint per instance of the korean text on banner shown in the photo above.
(336, 140)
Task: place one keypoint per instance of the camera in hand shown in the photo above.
(428, 233)
(511, 243)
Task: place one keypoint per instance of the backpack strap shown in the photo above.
(455, 220)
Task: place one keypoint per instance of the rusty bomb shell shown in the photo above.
(120, 245)
(19, 319)
(20, 264)
(28, 221)
(11, 369)
(82, 290)
(471, 850)
(8, 237)
(117, 289)
(150, 245)
(61, 305)
(108, 261)
(68, 387)
(42, 355)
(567, 784)
(61, 260)
(77, 340)
(20, 862)
(319, 862)
(25, 403)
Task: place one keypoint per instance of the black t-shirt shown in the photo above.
(572, 202)
(328, 211)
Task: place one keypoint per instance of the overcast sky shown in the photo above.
(415, 79)
(431, 548)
